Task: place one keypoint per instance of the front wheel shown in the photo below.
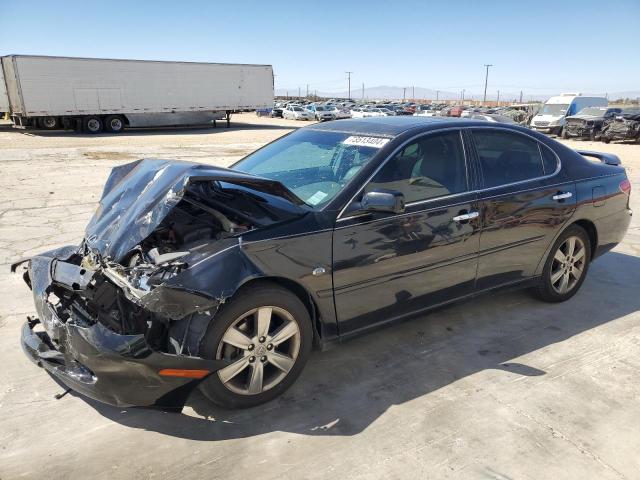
(266, 336)
(566, 266)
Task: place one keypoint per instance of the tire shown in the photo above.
(593, 135)
(552, 280)
(114, 124)
(92, 124)
(605, 139)
(48, 123)
(563, 133)
(284, 308)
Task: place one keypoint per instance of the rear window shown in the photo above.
(507, 157)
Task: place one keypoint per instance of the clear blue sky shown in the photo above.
(540, 46)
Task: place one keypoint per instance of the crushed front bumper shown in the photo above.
(121, 370)
(578, 130)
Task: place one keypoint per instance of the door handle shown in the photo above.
(562, 196)
(465, 216)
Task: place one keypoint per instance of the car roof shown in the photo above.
(393, 126)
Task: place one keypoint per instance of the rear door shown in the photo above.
(524, 201)
(389, 265)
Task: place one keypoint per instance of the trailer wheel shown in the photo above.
(92, 124)
(48, 123)
(114, 124)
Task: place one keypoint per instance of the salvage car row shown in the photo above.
(567, 115)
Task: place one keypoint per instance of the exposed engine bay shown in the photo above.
(127, 293)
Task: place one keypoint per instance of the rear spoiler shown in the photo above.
(608, 158)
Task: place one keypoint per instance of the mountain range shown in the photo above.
(392, 92)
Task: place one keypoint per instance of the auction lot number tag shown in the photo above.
(374, 142)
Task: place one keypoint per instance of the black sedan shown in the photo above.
(226, 279)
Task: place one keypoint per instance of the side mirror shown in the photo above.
(386, 201)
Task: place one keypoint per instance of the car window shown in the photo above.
(507, 157)
(430, 167)
(549, 160)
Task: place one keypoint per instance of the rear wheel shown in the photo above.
(49, 123)
(265, 333)
(114, 124)
(92, 124)
(566, 266)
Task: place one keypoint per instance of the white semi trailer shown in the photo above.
(95, 94)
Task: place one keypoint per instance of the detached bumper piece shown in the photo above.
(119, 369)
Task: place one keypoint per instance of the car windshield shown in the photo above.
(298, 109)
(554, 109)
(315, 165)
(320, 109)
(592, 111)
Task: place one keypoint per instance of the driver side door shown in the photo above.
(386, 266)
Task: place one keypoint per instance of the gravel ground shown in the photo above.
(500, 387)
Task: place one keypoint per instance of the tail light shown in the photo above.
(625, 186)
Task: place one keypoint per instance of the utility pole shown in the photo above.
(498, 101)
(520, 96)
(363, 91)
(486, 79)
(413, 93)
(299, 96)
(287, 94)
(437, 94)
(463, 90)
(307, 90)
(349, 78)
(404, 94)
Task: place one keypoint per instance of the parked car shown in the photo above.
(492, 117)
(340, 113)
(276, 112)
(588, 122)
(191, 275)
(296, 112)
(322, 112)
(625, 126)
(456, 111)
(551, 117)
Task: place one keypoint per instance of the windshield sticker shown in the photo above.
(316, 198)
(374, 142)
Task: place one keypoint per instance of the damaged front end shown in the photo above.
(115, 313)
(578, 127)
(625, 126)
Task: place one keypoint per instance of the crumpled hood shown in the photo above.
(139, 195)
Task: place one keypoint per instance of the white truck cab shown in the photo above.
(551, 117)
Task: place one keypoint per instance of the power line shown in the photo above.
(349, 79)
(486, 79)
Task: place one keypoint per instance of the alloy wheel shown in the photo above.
(262, 346)
(568, 265)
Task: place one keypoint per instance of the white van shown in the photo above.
(551, 117)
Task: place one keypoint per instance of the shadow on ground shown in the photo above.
(344, 390)
(134, 132)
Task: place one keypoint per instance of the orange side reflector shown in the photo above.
(175, 372)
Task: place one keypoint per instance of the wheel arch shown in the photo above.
(296, 289)
(589, 227)
(584, 223)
